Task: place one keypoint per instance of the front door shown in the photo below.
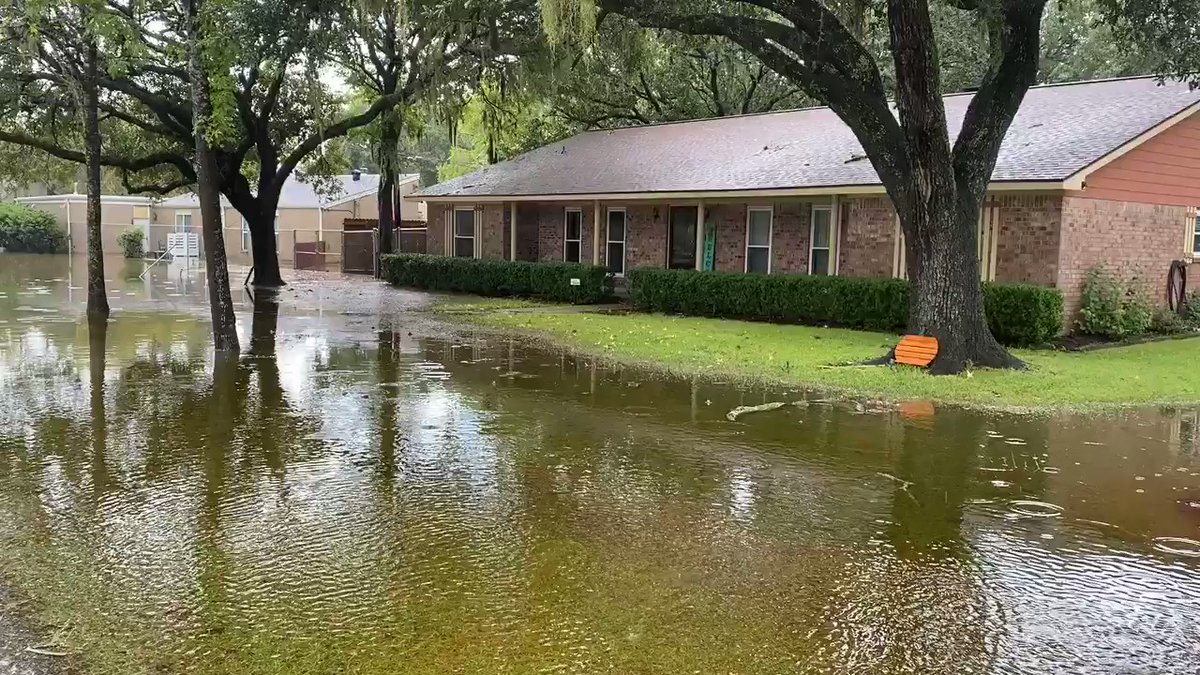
(681, 238)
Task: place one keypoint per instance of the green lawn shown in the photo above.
(1159, 372)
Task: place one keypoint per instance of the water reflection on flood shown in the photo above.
(358, 493)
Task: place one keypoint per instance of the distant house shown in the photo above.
(118, 213)
(1090, 172)
(303, 215)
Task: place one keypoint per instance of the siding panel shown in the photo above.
(1163, 170)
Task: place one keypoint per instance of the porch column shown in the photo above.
(596, 232)
(835, 232)
(512, 231)
(700, 236)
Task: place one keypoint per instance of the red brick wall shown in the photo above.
(1135, 240)
(730, 220)
(646, 241)
(493, 243)
(868, 238)
(1028, 238)
(436, 230)
(551, 219)
(789, 237)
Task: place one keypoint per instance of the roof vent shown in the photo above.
(356, 174)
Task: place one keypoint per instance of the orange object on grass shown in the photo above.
(916, 350)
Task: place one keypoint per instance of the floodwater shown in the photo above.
(365, 491)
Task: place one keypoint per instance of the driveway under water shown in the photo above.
(365, 490)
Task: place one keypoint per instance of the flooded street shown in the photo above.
(367, 491)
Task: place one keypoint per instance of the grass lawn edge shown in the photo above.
(501, 321)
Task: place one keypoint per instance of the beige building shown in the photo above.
(118, 214)
(304, 214)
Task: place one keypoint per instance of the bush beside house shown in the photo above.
(1018, 314)
(132, 243)
(499, 278)
(27, 230)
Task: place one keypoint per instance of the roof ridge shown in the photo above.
(717, 118)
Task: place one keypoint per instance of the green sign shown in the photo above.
(710, 246)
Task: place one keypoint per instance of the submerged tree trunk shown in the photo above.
(220, 298)
(97, 296)
(259, 212)
(264, 251)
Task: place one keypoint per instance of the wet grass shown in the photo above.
(1160, 372)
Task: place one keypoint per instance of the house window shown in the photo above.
(1195, 227)
(758, 240)
(615, 251)
(572, 235)
(464, 233)
(821, 238)
(183, 221)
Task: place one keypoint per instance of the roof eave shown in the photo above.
(995, 186)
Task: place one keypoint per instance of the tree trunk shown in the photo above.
(947, 294)
(264, 249)
(97, 296)
(387, 209)
(220, 298)
(389, 138)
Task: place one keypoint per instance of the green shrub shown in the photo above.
(1112, 307)
(498, 278)
(1021, 314)
(1191, 310)
(27, 230)
(130, 242)
(1167, 322)
(880, 304)
(1017, 314)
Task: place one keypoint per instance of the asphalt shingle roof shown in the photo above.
(300, 195)
(1059, 130)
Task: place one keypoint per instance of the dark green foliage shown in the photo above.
(1112, 307)
(1167, 322)
(1017, 314)
(499, 278)
(1020, 314)
(131, 242)
(880, 304)
(27, 230)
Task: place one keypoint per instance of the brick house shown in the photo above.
(1105, 171)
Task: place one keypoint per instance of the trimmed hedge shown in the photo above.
(27, 230)
(499, 278)
(1018, 314)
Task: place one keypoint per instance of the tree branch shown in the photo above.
(1015, 47)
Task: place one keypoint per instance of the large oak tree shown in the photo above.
(278, 109)
(936, 183)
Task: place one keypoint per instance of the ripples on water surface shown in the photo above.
(347, 497)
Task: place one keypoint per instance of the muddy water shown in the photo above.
(365, 491)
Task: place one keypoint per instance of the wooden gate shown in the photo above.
(358, 245)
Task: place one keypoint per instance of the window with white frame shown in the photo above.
(183, 221)
(615, 249)
(464, 233)
(572, 235)
(1195, 228)
(821, 241)
(758, 239)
